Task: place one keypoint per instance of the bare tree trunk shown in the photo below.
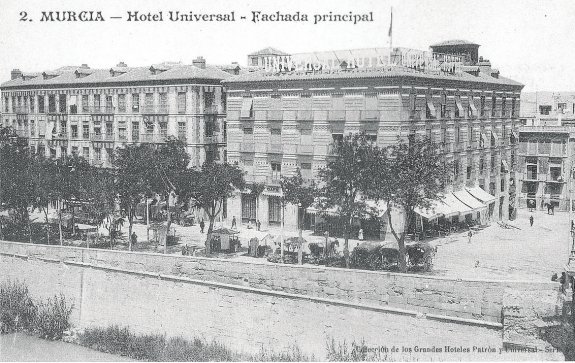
(346, 241)
(400, 239)
(60, 222)
(209, 234)
(47, 225)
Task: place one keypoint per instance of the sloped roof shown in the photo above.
(262, 76)
(454, 42)
(67, 76)
(268, 51)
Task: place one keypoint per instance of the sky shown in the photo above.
(530, 41)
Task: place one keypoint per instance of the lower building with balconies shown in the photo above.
(94, 111)
(294, 111)
(545, 166)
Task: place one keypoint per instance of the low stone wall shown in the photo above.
(470, 299)
(250, 306)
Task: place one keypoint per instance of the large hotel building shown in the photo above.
(286, 112)
(293, 111)
(90, 112)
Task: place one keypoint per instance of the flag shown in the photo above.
(390, 23)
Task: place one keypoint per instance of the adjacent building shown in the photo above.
(546, 149)
(293, 111)
(90, 112)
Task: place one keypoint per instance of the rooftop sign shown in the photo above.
(371, 58)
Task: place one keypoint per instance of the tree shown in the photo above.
(213, 184)
(299, 192)
(44, 178)
(408, 175)
(344, 181)
(16, 184)
(100, 193)
(132, 179)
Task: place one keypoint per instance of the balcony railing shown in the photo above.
(273, 180)
(96, 137)
(147, 137)
(305, 149)
(247, 148)
(61, 136)
(530, 176)
(162, 110)
(109, 137)
(22, 110)
(275, 148)
(214, 139)
(100, 110)
(555, 178)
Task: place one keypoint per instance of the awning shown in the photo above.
(434, 211)
(456, 205)
(483, 141)
(495, 138)
(473, 108)
(431, 108)
(469, 200)
(504, 166)
(481, 195)
(459, 108)
(315, 209)
(247, 105)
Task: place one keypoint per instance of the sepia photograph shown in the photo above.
(304, 180)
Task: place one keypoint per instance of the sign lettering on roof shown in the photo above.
(375, 58)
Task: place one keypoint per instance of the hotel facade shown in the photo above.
(293, 111)
(90, 112)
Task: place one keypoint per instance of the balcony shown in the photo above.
(21, 110)
(61, 136)
(545, 129)
(273, 180)
(275, 148)
(305, 149)
(247, 148)
(214, 139)
(109, 137)
(213, 109)
(555, 178)
(96, 137)
(530, 176)
(150, 110)
(99, 110)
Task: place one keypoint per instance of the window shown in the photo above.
(85, 108)
(457, 134)
(561, 107)
(122, 133)
(135, 131)
(276, 131)
(371, 138)
(109, 130)
(86, 152)
(52, 103)
(109, 104)
(6, 104)
(32, 128)
(164, 130)
(86, 131)
(482, 109)
(181, 102)
(135, 102)
(32, 106)
(13, 103)
(97, 104)
(481, 165)
(97, 129)
(337, 138)
(513, 107)
(458, 107)
(443, 135)
(122, 103)
(493, 106)
(247, 108)
(209, 101)
(63, 150)
(430, 110)
(503, 107)
(74, 129)
(493, 162)
(412, 104)
(248, 131)
(248, 208)
(470, 134)
(274, 208)
(149, 102)
(63, 127)
(97, 154)
(502, 184)
(443, 105)
(163, 102)
(62, 106)
(182, 131)
(305, 166)
(544, 110)
(254, 61)
(468, 174)
(74, 150)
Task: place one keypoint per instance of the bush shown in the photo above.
(52, 317)
(17, 310)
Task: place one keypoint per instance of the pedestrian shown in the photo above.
(469, 234)
(531, 220)
(134, 238)
(234, 222)
(259, 225)
(202, 225)
(360, 234)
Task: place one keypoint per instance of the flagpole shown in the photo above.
(390, 34)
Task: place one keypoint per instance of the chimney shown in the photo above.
(84, 66)
(121, 64)
(484, 66)
(199, 62)
(16, 73)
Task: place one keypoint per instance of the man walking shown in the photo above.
(469, 234)
(531, 220)
(234, 222)
(202, 225)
